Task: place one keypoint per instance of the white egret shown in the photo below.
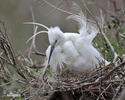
(75, 50)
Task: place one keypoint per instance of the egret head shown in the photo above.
(55, 36)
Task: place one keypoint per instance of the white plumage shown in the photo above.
(73, 51)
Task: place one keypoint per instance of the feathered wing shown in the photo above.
(88, 32)
(79, 17)
(86, 29)
(71, 52)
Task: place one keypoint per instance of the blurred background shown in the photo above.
(15, 12)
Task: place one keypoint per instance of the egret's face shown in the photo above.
(55, 36)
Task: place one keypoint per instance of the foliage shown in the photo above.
(21, 76)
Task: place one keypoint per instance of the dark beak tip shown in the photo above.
(48, 62)
(50, 54)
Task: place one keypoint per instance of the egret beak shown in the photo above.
(51, 51)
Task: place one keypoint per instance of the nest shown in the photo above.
(103, 83)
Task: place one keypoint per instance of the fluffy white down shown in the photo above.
(75, 50)
(78, 56)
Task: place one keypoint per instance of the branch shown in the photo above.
(102, 32)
